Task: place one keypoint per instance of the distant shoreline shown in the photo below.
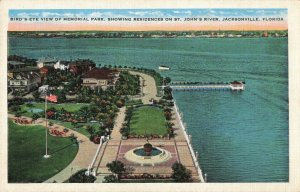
(149, 34)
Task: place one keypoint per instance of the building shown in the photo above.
(47, 62)
(15, 67)
(81, 66)
(237, 85)
(24, 81)
(61, 65)
(100, 78)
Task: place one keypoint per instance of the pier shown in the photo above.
(186, 86)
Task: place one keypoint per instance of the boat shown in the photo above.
(163, 67)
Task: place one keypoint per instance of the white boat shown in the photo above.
(163, 67)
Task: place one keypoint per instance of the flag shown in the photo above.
(52, 98)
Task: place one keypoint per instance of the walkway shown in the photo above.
(149, 88)
(83, 158)
(116, 135)
(109, 151)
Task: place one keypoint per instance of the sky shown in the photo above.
(266, 19)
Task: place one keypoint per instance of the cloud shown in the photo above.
(50, 14)
(137, 13)
(95, 14)
(146, 13)
(68, 15)
(23, 14)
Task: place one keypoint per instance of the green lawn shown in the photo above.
(71, 107)
(81, 129)
(26, 147)
(148, 120)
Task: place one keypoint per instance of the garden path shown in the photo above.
(116, 135)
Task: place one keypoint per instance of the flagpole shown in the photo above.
(46, 128)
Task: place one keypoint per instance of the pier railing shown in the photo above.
(188, 139)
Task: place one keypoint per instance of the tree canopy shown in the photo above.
(181, 173)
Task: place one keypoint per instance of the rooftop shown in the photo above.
(15, 63)
(47, 60)
(100, 73)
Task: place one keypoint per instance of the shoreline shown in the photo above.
(196, 162)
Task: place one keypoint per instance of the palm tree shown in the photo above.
(85, 112)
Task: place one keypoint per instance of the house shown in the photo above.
(14, 67)
(24, 81)
(81, 66)
(47, 62)
(100, 77)
(61, 65)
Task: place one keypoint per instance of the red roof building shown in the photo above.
(99, 77)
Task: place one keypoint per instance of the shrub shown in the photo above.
(181, 173)
(80, 177)
(110, 179)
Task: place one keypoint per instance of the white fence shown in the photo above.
(188, 139)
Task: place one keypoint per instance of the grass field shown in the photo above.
(148, 120)
(71, 107)
(26, 147)
(81, 129)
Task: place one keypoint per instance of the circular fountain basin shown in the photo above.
(157, 156)
(141, 152)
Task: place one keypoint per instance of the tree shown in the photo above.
(181, 173)
(50, 123)
(167, 80)
(80, 177)
(84, 112)
(116, 167)
(18, 114)
(29, 105)
(110, 179)
(36, 95)
(35, 117)
(15, 108)
(74, 124)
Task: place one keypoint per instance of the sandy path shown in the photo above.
(149, 89)
(116, 135)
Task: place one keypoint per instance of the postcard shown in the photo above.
(175, 96)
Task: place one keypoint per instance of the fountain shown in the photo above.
(148, 155)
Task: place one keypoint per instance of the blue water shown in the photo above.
(241, 137)
(35, 110)
(141, 152)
